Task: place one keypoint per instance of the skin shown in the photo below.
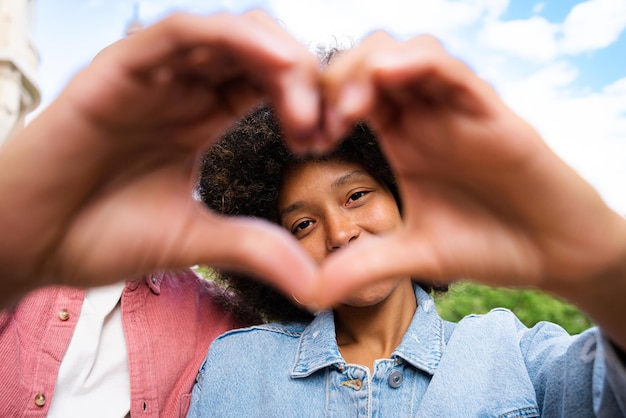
(328, 206)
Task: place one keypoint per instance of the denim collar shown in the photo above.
(421, 346)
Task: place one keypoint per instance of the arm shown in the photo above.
(99, 186)
(483, 195)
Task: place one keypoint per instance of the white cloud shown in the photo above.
(618, 87)
(593, 24)
(587, 130)
(494, 9)
(590, 25)
(151, 10)
(532, 39)
(545, 83)
(353, 19)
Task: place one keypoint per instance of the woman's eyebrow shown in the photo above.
(347, 177)
(289, 209)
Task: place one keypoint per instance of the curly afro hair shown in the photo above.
(242, 174)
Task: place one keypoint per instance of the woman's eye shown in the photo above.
(301, 226)
(357, 195)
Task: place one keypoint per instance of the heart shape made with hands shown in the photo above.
(483, 197)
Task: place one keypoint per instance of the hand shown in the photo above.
(99, 186)
(483, 197)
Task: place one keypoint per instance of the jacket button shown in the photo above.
(355, 384)
(64, 314)
(395, 379)
(40, 400)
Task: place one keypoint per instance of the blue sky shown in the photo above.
(561, 64)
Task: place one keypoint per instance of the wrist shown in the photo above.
(601, 294)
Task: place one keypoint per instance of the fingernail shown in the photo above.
(349, 105)
(310, 305)
(304, 105)
(350, 101)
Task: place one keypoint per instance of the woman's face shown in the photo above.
(329, 205)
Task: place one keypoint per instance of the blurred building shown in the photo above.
(19, 93)
(134, 25)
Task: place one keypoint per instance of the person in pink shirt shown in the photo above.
(166, 321)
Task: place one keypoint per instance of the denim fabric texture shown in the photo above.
(485, 366)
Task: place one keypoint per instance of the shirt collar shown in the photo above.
(152, 280)
(318, 346)
(423, 343)
(421, 346)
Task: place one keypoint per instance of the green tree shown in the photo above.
(530, 306)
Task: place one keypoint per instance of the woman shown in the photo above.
(384, 351)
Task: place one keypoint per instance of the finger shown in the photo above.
(363, 264)
(483, 256)
(225, 116)
(421, 67)
(263, 19)
(349, 92)
(301, 96)
(257, 248)
(286, 72)
(181, 33)
(402, 255)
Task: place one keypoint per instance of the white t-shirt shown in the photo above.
(93, 377)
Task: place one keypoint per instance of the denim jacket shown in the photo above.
(485, 366)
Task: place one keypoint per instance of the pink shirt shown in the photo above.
(169, 321)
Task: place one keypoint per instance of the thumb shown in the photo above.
(367, 262)
(254, 247)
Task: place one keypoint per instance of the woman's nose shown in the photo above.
(341, 229)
